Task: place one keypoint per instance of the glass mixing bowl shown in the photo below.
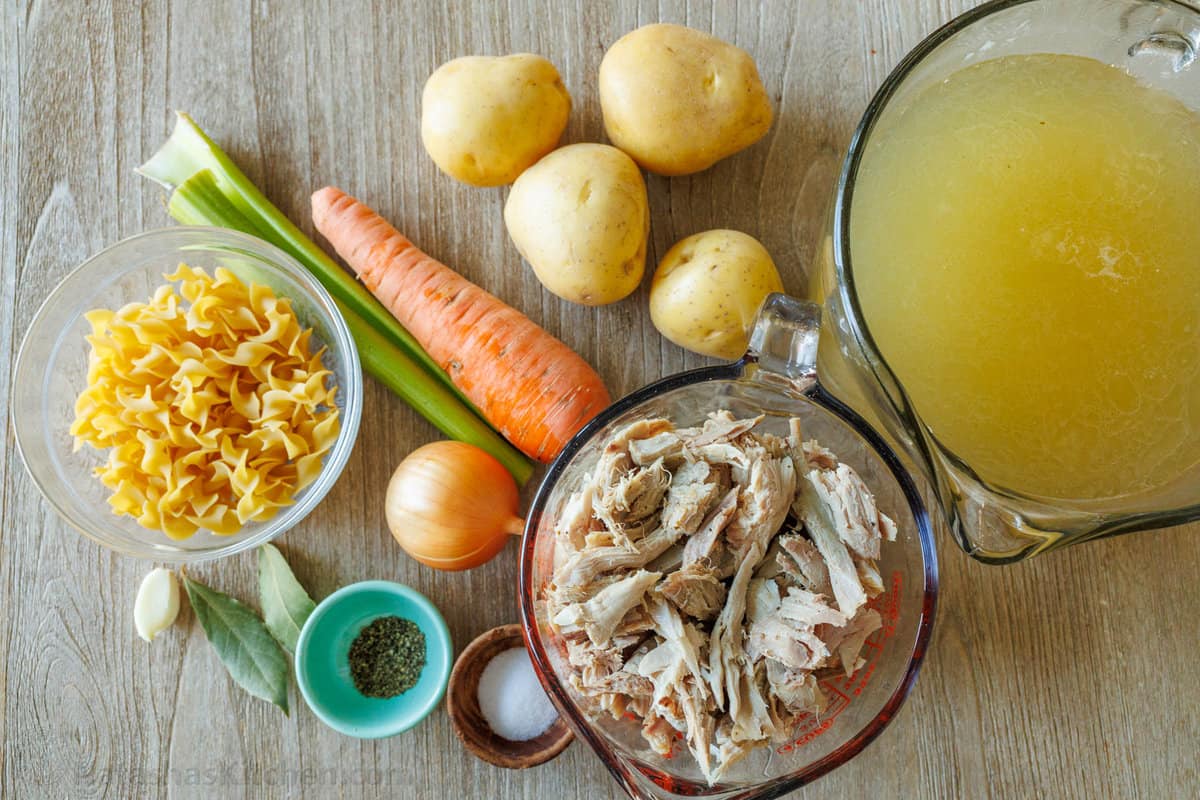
(775, 378)
(51, 370)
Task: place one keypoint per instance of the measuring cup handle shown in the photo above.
(784, 339)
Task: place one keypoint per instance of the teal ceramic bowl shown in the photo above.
(323, 664)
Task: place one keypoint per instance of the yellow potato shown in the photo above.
(707, 290)
(679, 100)
(486, 119)
(580, 218)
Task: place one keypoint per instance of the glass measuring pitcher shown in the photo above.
(976, 381)
(775, 379)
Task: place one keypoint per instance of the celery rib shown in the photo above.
(207, 188)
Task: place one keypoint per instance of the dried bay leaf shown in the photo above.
(242, 641)
(284, 602)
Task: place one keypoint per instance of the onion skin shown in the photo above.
(452, 506)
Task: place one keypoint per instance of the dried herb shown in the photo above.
(285, 604)
(387, 656)
(242, 643)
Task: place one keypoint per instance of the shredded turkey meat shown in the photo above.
(707, 579)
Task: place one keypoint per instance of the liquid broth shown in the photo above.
(1025, 242)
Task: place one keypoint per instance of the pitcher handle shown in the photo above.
(783, 343)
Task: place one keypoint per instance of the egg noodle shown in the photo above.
(213, 408)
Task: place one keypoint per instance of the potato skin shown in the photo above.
(707, 290)
(678, 100)
(580, 218)
(486, 119)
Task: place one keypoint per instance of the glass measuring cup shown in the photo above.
(777, 378)
(1153, 40)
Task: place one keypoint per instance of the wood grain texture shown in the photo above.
(1075, 675)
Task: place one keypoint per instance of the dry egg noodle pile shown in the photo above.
(215, 410)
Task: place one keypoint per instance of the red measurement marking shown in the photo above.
(866, 673)
(808, 737)
(832, 687)
(893, 611)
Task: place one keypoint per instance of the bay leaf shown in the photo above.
(285, 604)
(242, 641)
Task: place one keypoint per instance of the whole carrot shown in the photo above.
(533, 388)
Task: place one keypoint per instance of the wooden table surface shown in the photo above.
(1075, 675)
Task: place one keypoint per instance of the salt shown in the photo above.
(512, 700)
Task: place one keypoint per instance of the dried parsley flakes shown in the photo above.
(387, 656)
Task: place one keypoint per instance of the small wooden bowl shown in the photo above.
(462, 700)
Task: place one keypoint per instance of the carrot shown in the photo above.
(530, 386)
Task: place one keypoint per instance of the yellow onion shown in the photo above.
(452, 506)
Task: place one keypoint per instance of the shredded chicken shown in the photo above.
(585, 565)
(796, 689)
(669, 560)
(576, 520)
(667, 444)
(600, 616)
(703, 543)
(695, 590)
(822, 528)
(763, 506)
(695, 489)
(722, 427)
(706, 578)
(627, 506)
(802, 561)
(847, 642)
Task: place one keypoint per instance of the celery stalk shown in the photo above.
(198, 201)
(209, 189)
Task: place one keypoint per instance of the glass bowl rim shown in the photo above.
(270, 257)
(735, 371)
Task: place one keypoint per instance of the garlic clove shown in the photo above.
(157, 603)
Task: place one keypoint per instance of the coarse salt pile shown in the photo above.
(512, 700)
